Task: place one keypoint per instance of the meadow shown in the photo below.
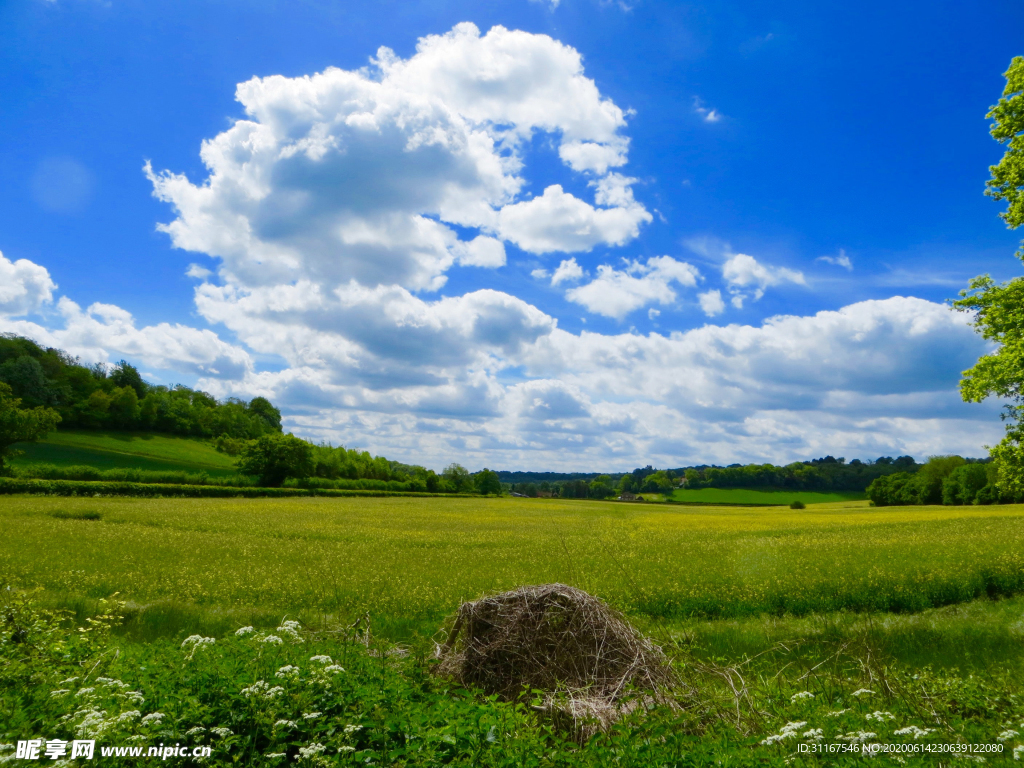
(125, 450)
(838, 623)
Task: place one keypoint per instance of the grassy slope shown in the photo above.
(142, 450)
(748, 496)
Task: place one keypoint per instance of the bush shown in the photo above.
(798, 505)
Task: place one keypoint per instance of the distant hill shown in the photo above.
(547, 477)
(126, 450)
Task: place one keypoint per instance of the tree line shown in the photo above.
(117, 397)
(944, 480)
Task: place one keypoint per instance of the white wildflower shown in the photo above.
(133, 697)
(287, 671)
(311, 751)
(880, 717)
(334, 669)
(291, 629)
(242, 631)
(255, 689)
(836, 713)
(222, 732)
(153, 717)
(197, 640)
(863, 692)
(85, 691)
(127, 717)
(352, 728)
(195, 731)
(321, 659)
(276, 755)
(92, 724)
(346, 748)
(801, 696)
(284, 724)
(913, 730)
(59, 692)
(272, 639)
(1007, 735)
(788, 731)
(110, 683)
(815, 734)
(68, 681)
(858, 737)
(311, 715)
(1018, 751)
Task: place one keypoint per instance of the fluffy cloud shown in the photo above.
(360, 175)
(745, 275)
(104, 332)
(25, 287)
(567, 270)
(616, 293)
(711, 302)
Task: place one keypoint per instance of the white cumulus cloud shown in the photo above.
(25, 287)
(747, 276)
(616, 293)
(567, 270)
(711, 302)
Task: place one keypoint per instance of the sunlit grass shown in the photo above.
(410, 561)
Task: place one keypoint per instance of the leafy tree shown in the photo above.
(18, 425)
(123, 411)
(28, 381)
(127, 375)
(456, 479)
(998, 308)
(273, 458)
(261, 407)
(487, 482)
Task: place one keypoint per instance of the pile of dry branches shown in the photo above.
(560, 640)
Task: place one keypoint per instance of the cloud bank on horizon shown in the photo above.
(336, 209)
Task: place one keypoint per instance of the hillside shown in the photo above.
(125, 450)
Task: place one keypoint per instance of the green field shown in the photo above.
(749, 496)
(893, 625)
(127, 450)
(410, 561)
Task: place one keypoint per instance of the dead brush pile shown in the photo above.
(591, 664)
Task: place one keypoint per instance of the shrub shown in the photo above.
(798, 505)
(273, 458)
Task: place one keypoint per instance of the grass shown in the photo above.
(138, 450)
(855, 623)
(410, 561)
(750, 496)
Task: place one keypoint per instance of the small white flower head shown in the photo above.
(243, 631)
(277, 690)
(856, 737)
(334, 669)
(59, 692)
(127, 717)
(913, 730)
(311, 751)
(321, 659)
(222, 732)
(284, 724)
(255, 689)
(276, 755)
(801, 696)
(291, 630)
(153, 717)
(836, 713)
(311, 715)
(1018, 751)
(863, 692)
(788, 731)
(197, 640)
(1007, 735)
(352, 728)
(198, 730)
(133, 697)
(85, 691)
(288, 671)
(346, 748)
(69, 681)
(815, 734)
(273, 639)
(881, 717)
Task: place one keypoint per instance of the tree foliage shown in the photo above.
(998, 308)
(487, 482)
(18, 425)
(274, 458)
(93, 397)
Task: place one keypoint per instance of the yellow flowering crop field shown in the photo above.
(410, 561)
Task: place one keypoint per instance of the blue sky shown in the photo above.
(583, 235)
